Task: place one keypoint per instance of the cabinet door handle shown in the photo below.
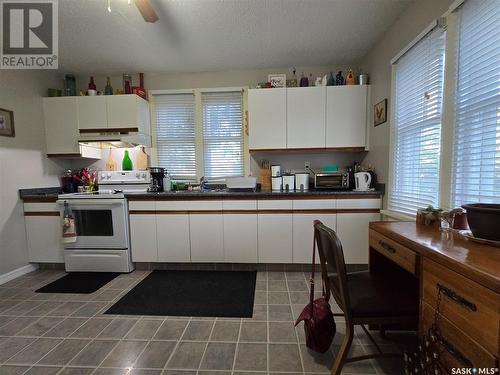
(450, 348)
(454, 296)
(386, 246)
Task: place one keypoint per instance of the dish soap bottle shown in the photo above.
(111, 164)
(127, 162)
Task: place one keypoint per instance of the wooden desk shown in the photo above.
(468, 275)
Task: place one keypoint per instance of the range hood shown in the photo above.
(115, 140)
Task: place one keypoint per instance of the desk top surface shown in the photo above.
(473, 260)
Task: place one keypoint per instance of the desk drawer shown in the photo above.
(399, 254)
(470, 306)
(463, 345)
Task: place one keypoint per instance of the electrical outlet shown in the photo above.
(307, 164)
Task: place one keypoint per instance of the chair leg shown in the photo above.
(340, 360)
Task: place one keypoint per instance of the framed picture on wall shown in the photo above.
(6, 123)
(380, 112)
(277, 80)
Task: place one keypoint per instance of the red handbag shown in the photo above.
(319, 325)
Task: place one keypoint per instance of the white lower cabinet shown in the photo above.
(172, 233)
(303, 235)
(352, 229)
(206, 233)
(240, 238)
(44, 235)
(143, 237)
(275, 238)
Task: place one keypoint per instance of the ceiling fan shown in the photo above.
(145, 8)
(147, 11)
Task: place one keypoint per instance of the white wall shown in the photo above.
(377, 63)
(22, 159)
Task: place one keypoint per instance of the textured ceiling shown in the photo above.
(209, 35)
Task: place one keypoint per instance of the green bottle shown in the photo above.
(127, 162)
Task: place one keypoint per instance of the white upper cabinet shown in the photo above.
(92, 112)
(308, 117)
(61, 125)
(346, 116)
(128, 111)
(306, 113)
(267, 118)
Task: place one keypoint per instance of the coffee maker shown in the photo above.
(157, 175)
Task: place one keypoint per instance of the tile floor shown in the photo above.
(69, 334)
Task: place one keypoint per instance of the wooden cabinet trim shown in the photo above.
(251, 197)
(42, 213)
(312, 149)
(221, 212)
(109, 130)
(66, 155)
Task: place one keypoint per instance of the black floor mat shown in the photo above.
(79, 282)
(191, 293)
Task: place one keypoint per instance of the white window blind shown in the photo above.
(222, 133)
(476, 156)
(175, 127)
(416, 131)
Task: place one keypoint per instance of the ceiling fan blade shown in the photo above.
(147, 11)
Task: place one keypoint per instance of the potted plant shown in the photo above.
(429, 216)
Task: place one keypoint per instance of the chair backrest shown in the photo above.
(333, 269)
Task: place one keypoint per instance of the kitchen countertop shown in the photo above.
(50, 194)
(213, 195)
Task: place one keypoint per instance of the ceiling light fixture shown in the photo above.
(109, 6)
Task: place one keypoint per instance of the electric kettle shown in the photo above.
(362, 181)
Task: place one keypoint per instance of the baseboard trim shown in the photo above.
(6, 277)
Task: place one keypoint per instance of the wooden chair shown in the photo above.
(363, 297)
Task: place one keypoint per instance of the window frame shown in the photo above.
(450, 21)
(392, 123)
(199, 157)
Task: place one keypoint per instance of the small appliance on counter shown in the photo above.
(288, 182)
(363, 181)
(275, 170)
(68, 182)
(276, 183)
(302, 181)
(157, 176)
(241, 183)
(331, 180)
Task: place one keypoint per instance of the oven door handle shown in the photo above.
(91, 202)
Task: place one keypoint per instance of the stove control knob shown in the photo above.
(109, 176)
(103, 175)
(137, 175)
(144, 175)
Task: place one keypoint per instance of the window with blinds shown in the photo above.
(476, 156)
(222, 119)
(416, 131)
(175, 128)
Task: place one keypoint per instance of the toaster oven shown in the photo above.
(332, 180)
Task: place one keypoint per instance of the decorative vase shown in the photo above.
(127, 162)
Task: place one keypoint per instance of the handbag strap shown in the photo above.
(313, 268)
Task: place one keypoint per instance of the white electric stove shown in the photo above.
(102, 223)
